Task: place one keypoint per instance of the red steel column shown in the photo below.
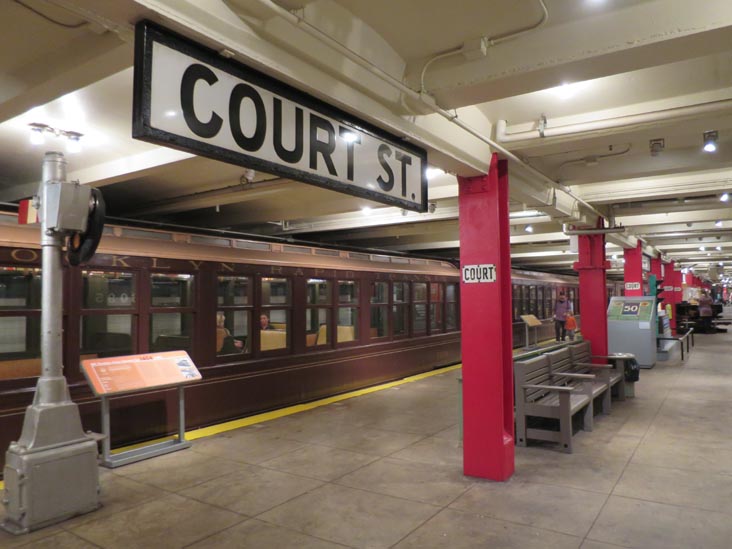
(633, 272)
(487, 334)
(672, 280)
(593, 290)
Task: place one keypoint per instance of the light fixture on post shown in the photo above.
(710, 141)
(38, 132)
(74, 142)
(36, 136)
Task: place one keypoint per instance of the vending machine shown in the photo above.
(632, 328)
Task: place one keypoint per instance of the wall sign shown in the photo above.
(645, 262)
(189, 97)
(632, 286)
(473, 274)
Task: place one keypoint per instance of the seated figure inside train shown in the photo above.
(225, 342)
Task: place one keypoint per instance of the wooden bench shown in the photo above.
(563, 370)
(538, 396)
(609, 371)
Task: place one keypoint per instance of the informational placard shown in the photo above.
(646, 262)
(632, 286)
(189, 97)
(475, 274)
(125, 374)
(531, 320)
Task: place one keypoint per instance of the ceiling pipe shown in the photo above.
(423, 98)
(486, 41)
(606, 230)
(502, 135)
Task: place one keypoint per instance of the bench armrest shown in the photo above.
(597, 366)
(588, 377)
(549, 388)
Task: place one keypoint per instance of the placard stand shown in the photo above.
(111, 461)
(116, 376)
(530, 321)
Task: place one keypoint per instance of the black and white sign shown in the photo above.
(645, 262)
(479, 273)
(668, 288)
(189, 97)
(632, 286)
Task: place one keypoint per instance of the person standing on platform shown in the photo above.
(561, 309)
(705, 312)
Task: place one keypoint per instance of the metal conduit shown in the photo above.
(298, 21)
(609, 123)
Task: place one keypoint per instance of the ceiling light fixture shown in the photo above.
(718, 223)
(38, 132)
(365, 210)
(702, 248)
(431, 173)
(529, 229)
(710, 141)
(656, 146)
(718, 248)
(724, 197)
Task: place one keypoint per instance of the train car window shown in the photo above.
(437, 306)
(171, 332)
(548, 302)
(273, 317)
(108, 290)
(234, 316)
(532, 300)
(400, 291)
(20, 322)
(515, 301)
(106, 335)
(20, 288)
(419, 308)
(172, 290)
(540, 301)
(451, 306)
(400, 308)
(234, 291)
(347, 326)
(317, 319)
(318, 291)
(379, 309)
(275, 291)
(347, 291)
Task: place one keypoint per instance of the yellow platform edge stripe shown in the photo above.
(275, 414)
(268, 416)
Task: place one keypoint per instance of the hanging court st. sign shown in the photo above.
(191, 98)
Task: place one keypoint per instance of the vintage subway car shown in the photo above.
(336, 321)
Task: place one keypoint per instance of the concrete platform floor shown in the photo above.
(384, 470)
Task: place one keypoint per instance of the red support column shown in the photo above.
(633, 272)
(672, 280)
(656, 268)
(485, 305)
(593, 290)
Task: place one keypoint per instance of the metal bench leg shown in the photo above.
(565, 423)
(621, 387)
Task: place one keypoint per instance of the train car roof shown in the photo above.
(118, 240)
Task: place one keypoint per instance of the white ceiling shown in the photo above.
(638, 70)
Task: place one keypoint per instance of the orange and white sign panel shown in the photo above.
(124, 374)
(27, 214)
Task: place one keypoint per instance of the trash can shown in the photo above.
(624, 361)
